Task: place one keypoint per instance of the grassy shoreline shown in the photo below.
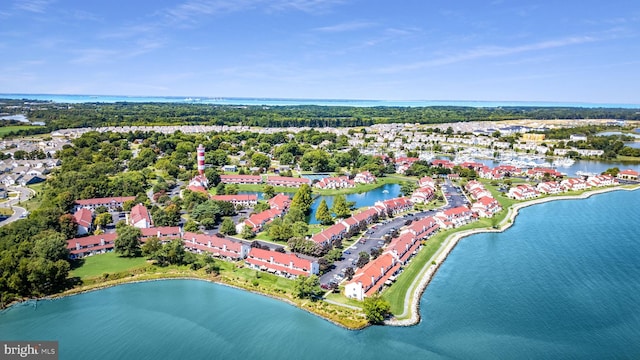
(411, 306)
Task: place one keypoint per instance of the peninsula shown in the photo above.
(347, 223)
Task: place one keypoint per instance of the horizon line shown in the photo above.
(196, 98)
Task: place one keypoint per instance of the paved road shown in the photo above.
(374, 237)
(18, 212)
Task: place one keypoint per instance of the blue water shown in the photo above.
(323, 102)
(366, 199)
(562, 283)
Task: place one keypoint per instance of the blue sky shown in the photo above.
(501, 50)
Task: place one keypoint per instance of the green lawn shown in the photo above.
(7, 129)
(97, 265)
(397, 292)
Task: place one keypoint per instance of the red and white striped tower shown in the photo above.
(201, 159)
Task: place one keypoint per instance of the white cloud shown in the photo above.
(491, 51)
(344, 27)
(36, 6)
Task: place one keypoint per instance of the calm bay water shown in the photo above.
(369, 198)
(563, 282)
(279, 102)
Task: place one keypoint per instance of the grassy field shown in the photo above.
(397, 292)
(7, 129)
(106, 263)
(34, 202)
(629, 159)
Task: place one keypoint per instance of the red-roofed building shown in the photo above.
(341, 182)
(406, 160)
(442, 163)
(330, 234)
(395, 205)
(198, 189)
(216, 246)
(164, 233)
(111, 203)
(372, 277)
(549, 187)
(454, 217)
(139, 217)
(422, 228)
(601, 180)
(84, 218)
(245, 200)
(280, 202)
(91, 245)
(523, 192)
(574, 184)
(427, 182)
(404, 247)
(423, 195)
(257, 221)
(199, 180)
(486, 206)
(364, 177)
(539, 172)
(628, 175)
(472, 165)
(287, 265)
(287, 181)
(241, 179)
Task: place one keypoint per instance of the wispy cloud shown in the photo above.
(491, 51)
(192, 10)
(347, 26)
(36, 6)
(107, 55)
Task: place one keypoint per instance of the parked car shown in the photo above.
(347, 252)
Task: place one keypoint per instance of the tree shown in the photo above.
(363, 259)
(247, 232)
(51, 245)
(191, 226)
(151, 246)
(340, 207)
(228, 227)
(268, 192)
(260, 160)
(407, 188)
(68, 226)
(376, 309)
(302, 199)
(280, 231)
(294, 215)
(307, 287)
(349, 272)
(299, 228)
(127, 242)
(323, 215)
(103, 220)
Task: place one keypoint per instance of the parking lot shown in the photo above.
(374, 236)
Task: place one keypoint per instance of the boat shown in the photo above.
(385, 191)
(585, 173)
(563, 162)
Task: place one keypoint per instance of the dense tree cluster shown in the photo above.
(101, 114)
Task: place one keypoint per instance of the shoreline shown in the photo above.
(422, 281)
(412, 297)
(135, 280)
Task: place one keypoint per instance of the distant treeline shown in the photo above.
(57, 116)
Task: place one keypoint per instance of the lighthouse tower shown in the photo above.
(201, 159)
